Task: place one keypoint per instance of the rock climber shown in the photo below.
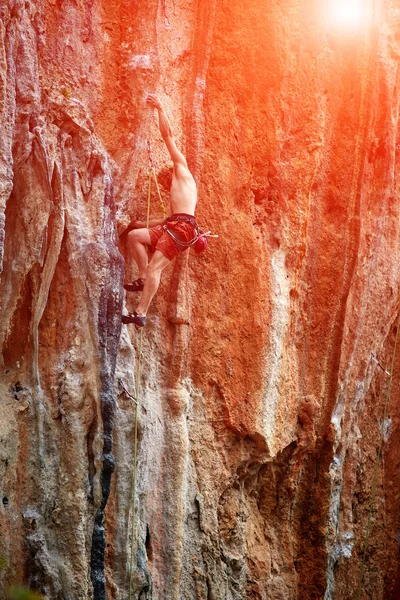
(166, 238)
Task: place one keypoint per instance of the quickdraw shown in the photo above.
(165, 14)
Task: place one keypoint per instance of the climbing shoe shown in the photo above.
(135, 319)
(135, 286)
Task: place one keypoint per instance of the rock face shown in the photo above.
(260, 409)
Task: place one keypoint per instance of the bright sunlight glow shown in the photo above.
(347, 14)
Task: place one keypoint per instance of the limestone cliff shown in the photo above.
(260, 407)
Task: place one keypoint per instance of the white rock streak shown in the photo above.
(280, 300)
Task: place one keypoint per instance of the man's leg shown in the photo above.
(152, 281)
(138, 239)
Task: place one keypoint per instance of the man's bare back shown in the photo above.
(183, 192)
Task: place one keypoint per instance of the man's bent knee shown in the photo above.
(134, 236)
(139, 236)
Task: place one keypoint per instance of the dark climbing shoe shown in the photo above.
(135, 286)
(135, 319)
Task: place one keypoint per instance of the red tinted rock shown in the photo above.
(260, 407)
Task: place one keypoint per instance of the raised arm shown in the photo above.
(165, 130)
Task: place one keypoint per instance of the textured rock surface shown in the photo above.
(260, 407)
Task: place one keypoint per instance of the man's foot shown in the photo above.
(134, 318)
(135, 286)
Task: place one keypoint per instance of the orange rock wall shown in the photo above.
(260, 407)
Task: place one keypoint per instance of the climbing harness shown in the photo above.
(199, 240)
(378, 456)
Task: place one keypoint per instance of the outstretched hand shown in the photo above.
(153, 101)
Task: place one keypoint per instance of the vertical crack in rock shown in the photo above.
(109, 328)
(340, 538)
(195, 118)
(177, 394)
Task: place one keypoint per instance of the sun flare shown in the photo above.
(347, 13)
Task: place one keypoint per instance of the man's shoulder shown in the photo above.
(181, 167)
(185, 176)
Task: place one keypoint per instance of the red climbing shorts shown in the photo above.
(162, 241)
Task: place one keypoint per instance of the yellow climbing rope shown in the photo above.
(152, 175)
(377, 462)
(137, 386)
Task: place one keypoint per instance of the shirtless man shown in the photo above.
(183, 199)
